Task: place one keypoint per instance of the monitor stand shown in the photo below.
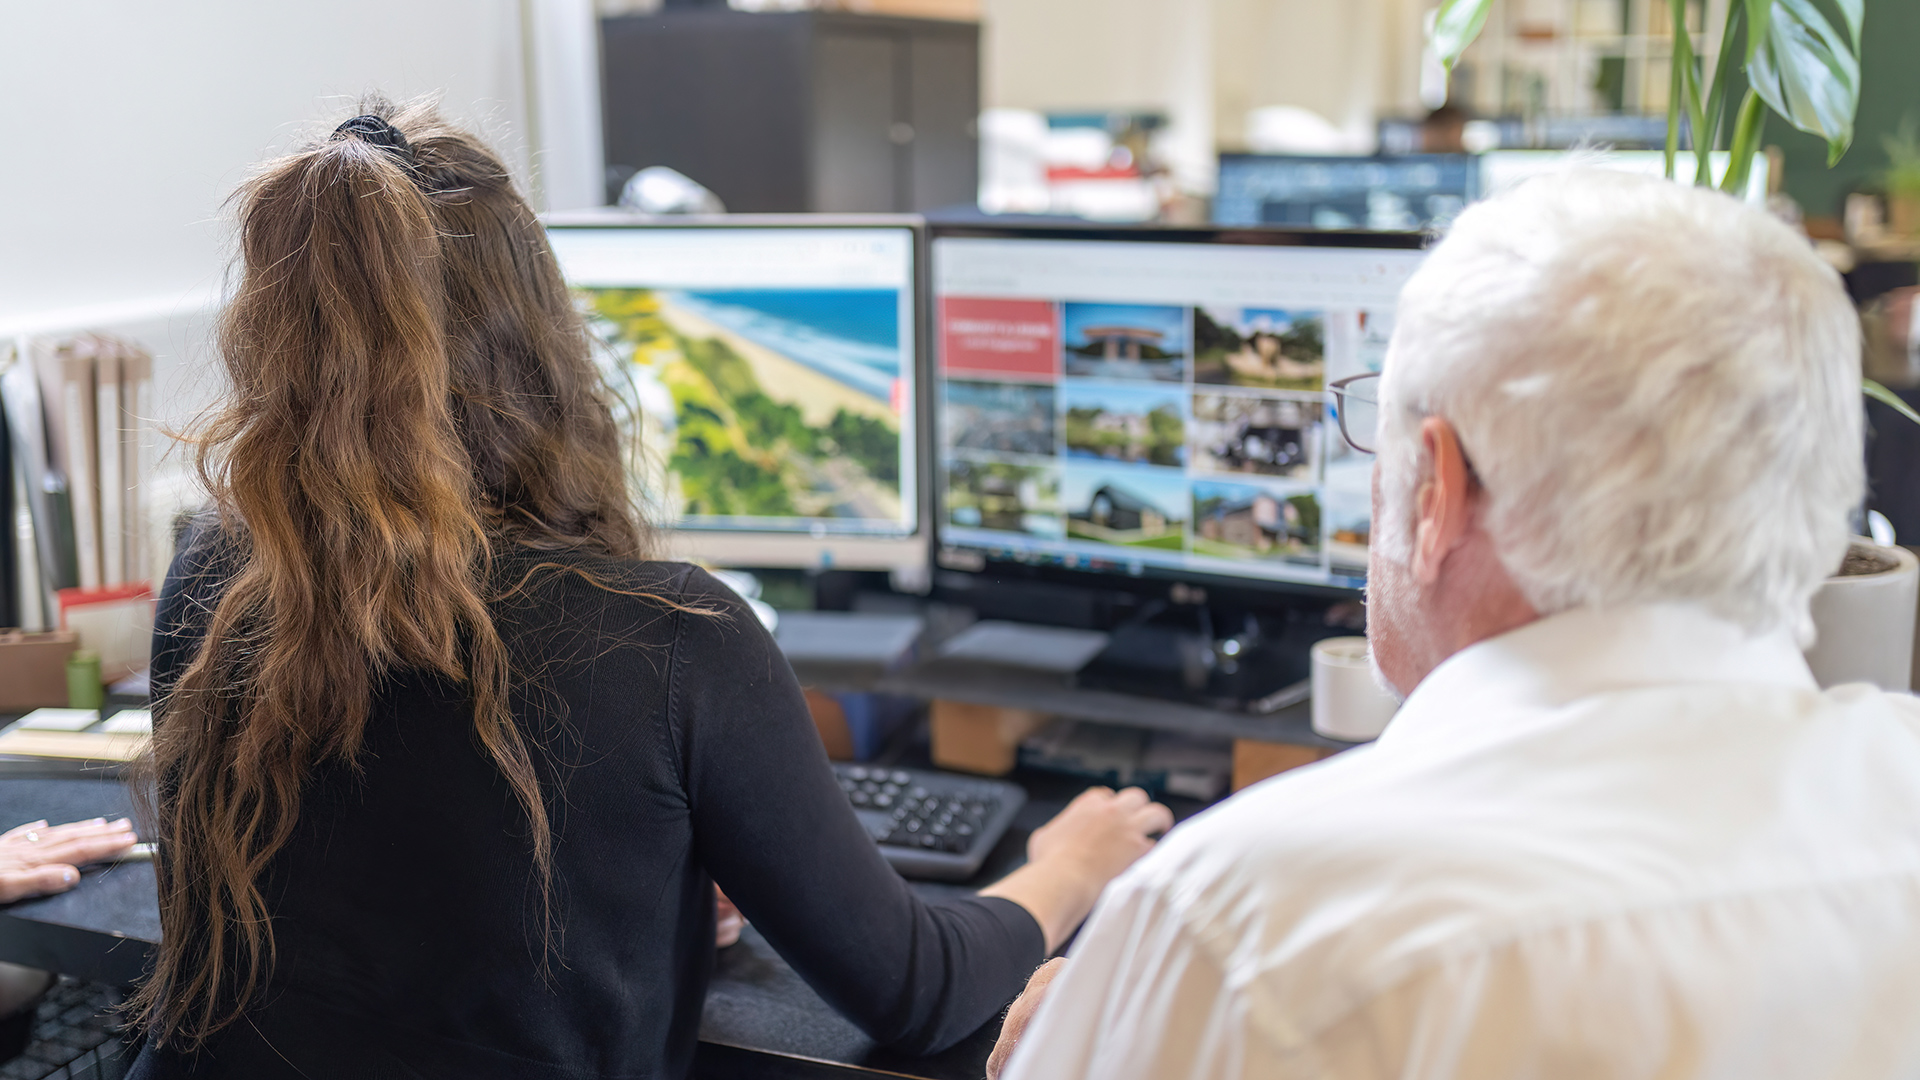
(1179, 654)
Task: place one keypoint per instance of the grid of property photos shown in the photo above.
(1126, 435)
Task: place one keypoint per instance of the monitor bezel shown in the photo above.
(907, 555)
(1154, 581)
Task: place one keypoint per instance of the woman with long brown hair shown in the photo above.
(445, 766)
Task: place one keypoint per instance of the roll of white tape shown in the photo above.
(1347, 702)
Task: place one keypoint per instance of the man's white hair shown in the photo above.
(1658, 385)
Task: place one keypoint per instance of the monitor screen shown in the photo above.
(1150, 404)
(773, 370)
(1416, 191)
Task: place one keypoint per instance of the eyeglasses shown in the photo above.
(1356, 404)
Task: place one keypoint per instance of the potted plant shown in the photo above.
(1801, 59)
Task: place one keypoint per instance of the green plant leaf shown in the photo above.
(1854, 12)
(1747, 126)
(1759, 16)
(1888, 398)
(1808, 70)
(1680, 75)
(1455, 26)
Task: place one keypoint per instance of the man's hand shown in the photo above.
(1020, 1014)
(727, 921)
(37, 858)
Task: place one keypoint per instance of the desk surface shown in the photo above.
(760, 1021)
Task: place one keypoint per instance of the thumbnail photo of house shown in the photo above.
(1142, 423)
(1124, 341)
(1271, 348)
(1237, 521)
(1238, 433)
(1005, 496)
(1349, 528)
(1127, 507)
(1004, 418)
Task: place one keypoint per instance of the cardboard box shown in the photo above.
(982, 739)
(1254, 760)
(33, 669)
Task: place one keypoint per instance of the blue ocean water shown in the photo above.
(851, 335)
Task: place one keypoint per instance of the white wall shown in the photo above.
(124, 127)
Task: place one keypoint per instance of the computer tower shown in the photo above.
(795, 112)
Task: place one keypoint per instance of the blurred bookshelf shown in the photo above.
(1570, 58)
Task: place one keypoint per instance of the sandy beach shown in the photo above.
(817, 396)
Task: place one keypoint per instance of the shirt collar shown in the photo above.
(1580, 653)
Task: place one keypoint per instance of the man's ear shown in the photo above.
(1443, 505)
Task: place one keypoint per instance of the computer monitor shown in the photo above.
(1502, 169)
(1151, 403)
(1414, 191)
(774, 364)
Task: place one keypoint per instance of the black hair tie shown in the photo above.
(369, 128)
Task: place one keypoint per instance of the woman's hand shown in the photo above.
(37, 858)
(1071, 858)
(1020, 1014)
(1101, 833)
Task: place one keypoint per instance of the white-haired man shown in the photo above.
(1616, 830)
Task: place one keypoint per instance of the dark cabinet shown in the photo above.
(796, 112)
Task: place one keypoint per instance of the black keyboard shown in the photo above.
(931, 825)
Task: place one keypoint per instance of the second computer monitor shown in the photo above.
(1153, 402)
(1415, 191)
(773, 366)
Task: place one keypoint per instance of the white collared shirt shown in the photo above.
(1624, 844)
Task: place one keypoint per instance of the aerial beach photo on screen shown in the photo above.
(1270, 348)
(769, 405)
(1144, 423)
(1126, 506)
(1124, 341)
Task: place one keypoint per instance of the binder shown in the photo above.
(9, 532)
(74, 432)
(79, 418)
(111, 461)
(41, 487)
(136, 403)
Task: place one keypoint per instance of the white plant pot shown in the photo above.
(1865, 625)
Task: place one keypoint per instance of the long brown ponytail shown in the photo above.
(411, 393)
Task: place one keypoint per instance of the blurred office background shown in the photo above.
(127, 125)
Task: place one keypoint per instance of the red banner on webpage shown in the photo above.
(1016, 339)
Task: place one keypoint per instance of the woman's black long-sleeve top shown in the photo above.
(675, 751)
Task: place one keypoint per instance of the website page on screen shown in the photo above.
(772, 370)
(1131, 407)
